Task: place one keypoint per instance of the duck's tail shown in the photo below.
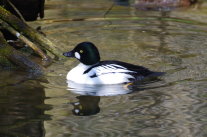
(156, 74)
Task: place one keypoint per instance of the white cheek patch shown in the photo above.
(77, 111)
(77, 55)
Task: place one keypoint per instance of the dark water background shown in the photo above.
(172, 41)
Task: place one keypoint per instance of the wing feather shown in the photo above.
(106, 67)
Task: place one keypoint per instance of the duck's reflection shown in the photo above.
(88, 102)
(98, 90)
(86, 105)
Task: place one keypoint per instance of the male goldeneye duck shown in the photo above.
(93, 71)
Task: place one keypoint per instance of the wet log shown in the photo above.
(25, 40)
(29, 32)
(10, 57)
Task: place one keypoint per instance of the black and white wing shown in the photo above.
(117, 67)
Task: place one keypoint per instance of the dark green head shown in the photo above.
(85, 52)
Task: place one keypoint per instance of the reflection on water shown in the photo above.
(88, 102)
(169, 41)
(86, 105)
(21, 107)
(98, 90)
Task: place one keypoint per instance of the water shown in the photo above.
(170, 41)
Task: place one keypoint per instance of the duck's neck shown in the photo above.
(87, 66)
(81, 65)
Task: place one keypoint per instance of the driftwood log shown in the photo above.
(28, 32)
(24, 39)
(10, 57)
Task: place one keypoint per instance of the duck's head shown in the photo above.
(85, 52)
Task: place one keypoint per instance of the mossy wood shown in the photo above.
(29, 32)
(10, 57)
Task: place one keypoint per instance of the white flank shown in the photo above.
(105, 74)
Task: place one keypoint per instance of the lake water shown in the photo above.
(172, 41)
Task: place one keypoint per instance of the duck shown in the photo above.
(91, 70)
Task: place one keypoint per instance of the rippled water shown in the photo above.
(170, 41)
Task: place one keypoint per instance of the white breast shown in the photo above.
(76, 74)
(107, 74)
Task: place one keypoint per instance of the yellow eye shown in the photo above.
(81, 51)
